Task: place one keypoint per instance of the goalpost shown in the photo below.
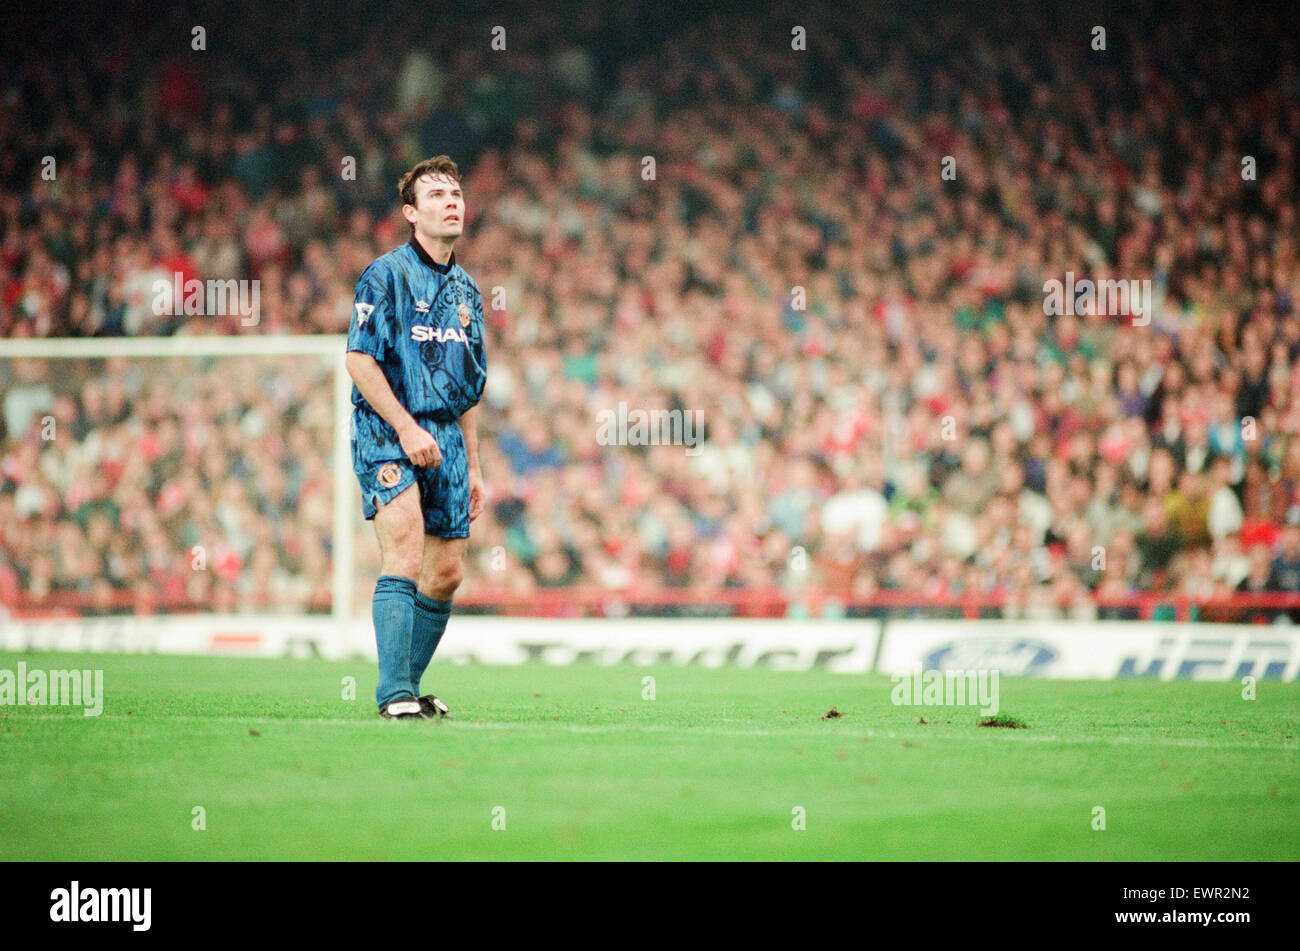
(56, 374)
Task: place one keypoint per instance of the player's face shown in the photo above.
(439, 210)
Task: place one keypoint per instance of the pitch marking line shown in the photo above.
(803, 732)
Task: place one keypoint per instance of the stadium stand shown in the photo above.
(921, 436)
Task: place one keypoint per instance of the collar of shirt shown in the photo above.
(424, 256)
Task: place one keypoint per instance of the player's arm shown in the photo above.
(469, 429)
(369, 341)
(420, 447)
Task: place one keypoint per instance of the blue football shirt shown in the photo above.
(423, 325)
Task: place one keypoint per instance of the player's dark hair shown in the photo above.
(438, 165)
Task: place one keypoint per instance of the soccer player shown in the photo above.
(415, 355)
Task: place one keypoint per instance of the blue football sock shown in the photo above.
(430, 622)
(393, 610)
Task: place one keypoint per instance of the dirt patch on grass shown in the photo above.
(1007, 723)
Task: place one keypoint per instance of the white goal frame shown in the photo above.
(345, 493)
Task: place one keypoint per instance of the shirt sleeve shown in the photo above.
(371, 330)
(480, 342)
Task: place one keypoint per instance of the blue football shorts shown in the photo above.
(384, 471)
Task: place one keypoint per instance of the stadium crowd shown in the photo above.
(837, 254)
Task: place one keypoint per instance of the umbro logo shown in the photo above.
(422, 307)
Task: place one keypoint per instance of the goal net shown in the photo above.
(180, 475)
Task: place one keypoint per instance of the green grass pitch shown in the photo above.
(577, 765)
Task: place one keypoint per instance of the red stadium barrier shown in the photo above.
(600, 602)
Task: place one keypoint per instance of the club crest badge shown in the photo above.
(389, 475)
(464, 314)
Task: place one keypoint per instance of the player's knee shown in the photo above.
(405, 569)
(403, 556)
(445, 578)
